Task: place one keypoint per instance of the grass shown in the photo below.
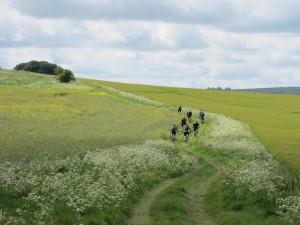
(227, 212)
(274, 118)
(41, 117)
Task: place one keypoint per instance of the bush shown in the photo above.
(40, 67)
(66, 76)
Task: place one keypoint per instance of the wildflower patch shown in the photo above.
(104, 182)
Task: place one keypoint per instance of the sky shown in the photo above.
(187, 43)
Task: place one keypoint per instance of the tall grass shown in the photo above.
(253, 176)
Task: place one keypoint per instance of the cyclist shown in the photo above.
(196, 127)
(186, 133)
(173, 132)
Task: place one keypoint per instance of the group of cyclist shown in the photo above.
(185, 122)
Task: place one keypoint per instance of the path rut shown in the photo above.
(196, 188)
(141, 212)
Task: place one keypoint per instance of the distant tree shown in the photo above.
(227, 89)
(40, 67)
(219, 88)
(66, 76)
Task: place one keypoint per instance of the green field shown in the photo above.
(274, 118)
(76, 153)
(89, 152)
(41, 117)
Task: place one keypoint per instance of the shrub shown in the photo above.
(66, 76)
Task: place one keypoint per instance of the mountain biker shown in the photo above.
(186, 133)
(173, 132)
(189, 115)
(202, 116)
(179, 109)
(183, 122)
(196, 127)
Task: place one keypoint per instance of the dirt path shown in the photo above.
(141, 212)
(196, 184)
(197, 194)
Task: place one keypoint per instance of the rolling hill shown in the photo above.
(40, 116)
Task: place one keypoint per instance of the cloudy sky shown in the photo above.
(191, 43)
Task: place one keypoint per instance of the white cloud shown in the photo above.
(237, 43)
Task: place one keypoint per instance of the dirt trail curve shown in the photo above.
(196, 191)
(141, 211)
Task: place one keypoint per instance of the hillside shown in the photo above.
(275, 119)
(40, 116)
(275, 90)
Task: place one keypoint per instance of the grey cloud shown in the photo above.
(290, 60)
(144, 40)
(76, 34)
(24, 35)
(233, 59)
(189, 38)
(224, 14)
(237, 72)
(167, 10)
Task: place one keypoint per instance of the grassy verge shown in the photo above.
(228, 211)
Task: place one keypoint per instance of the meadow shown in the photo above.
(77, 154)
(41, 117)
(81, 153)
(274, 118)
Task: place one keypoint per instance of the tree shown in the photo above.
(40, 67)
(66, 76)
